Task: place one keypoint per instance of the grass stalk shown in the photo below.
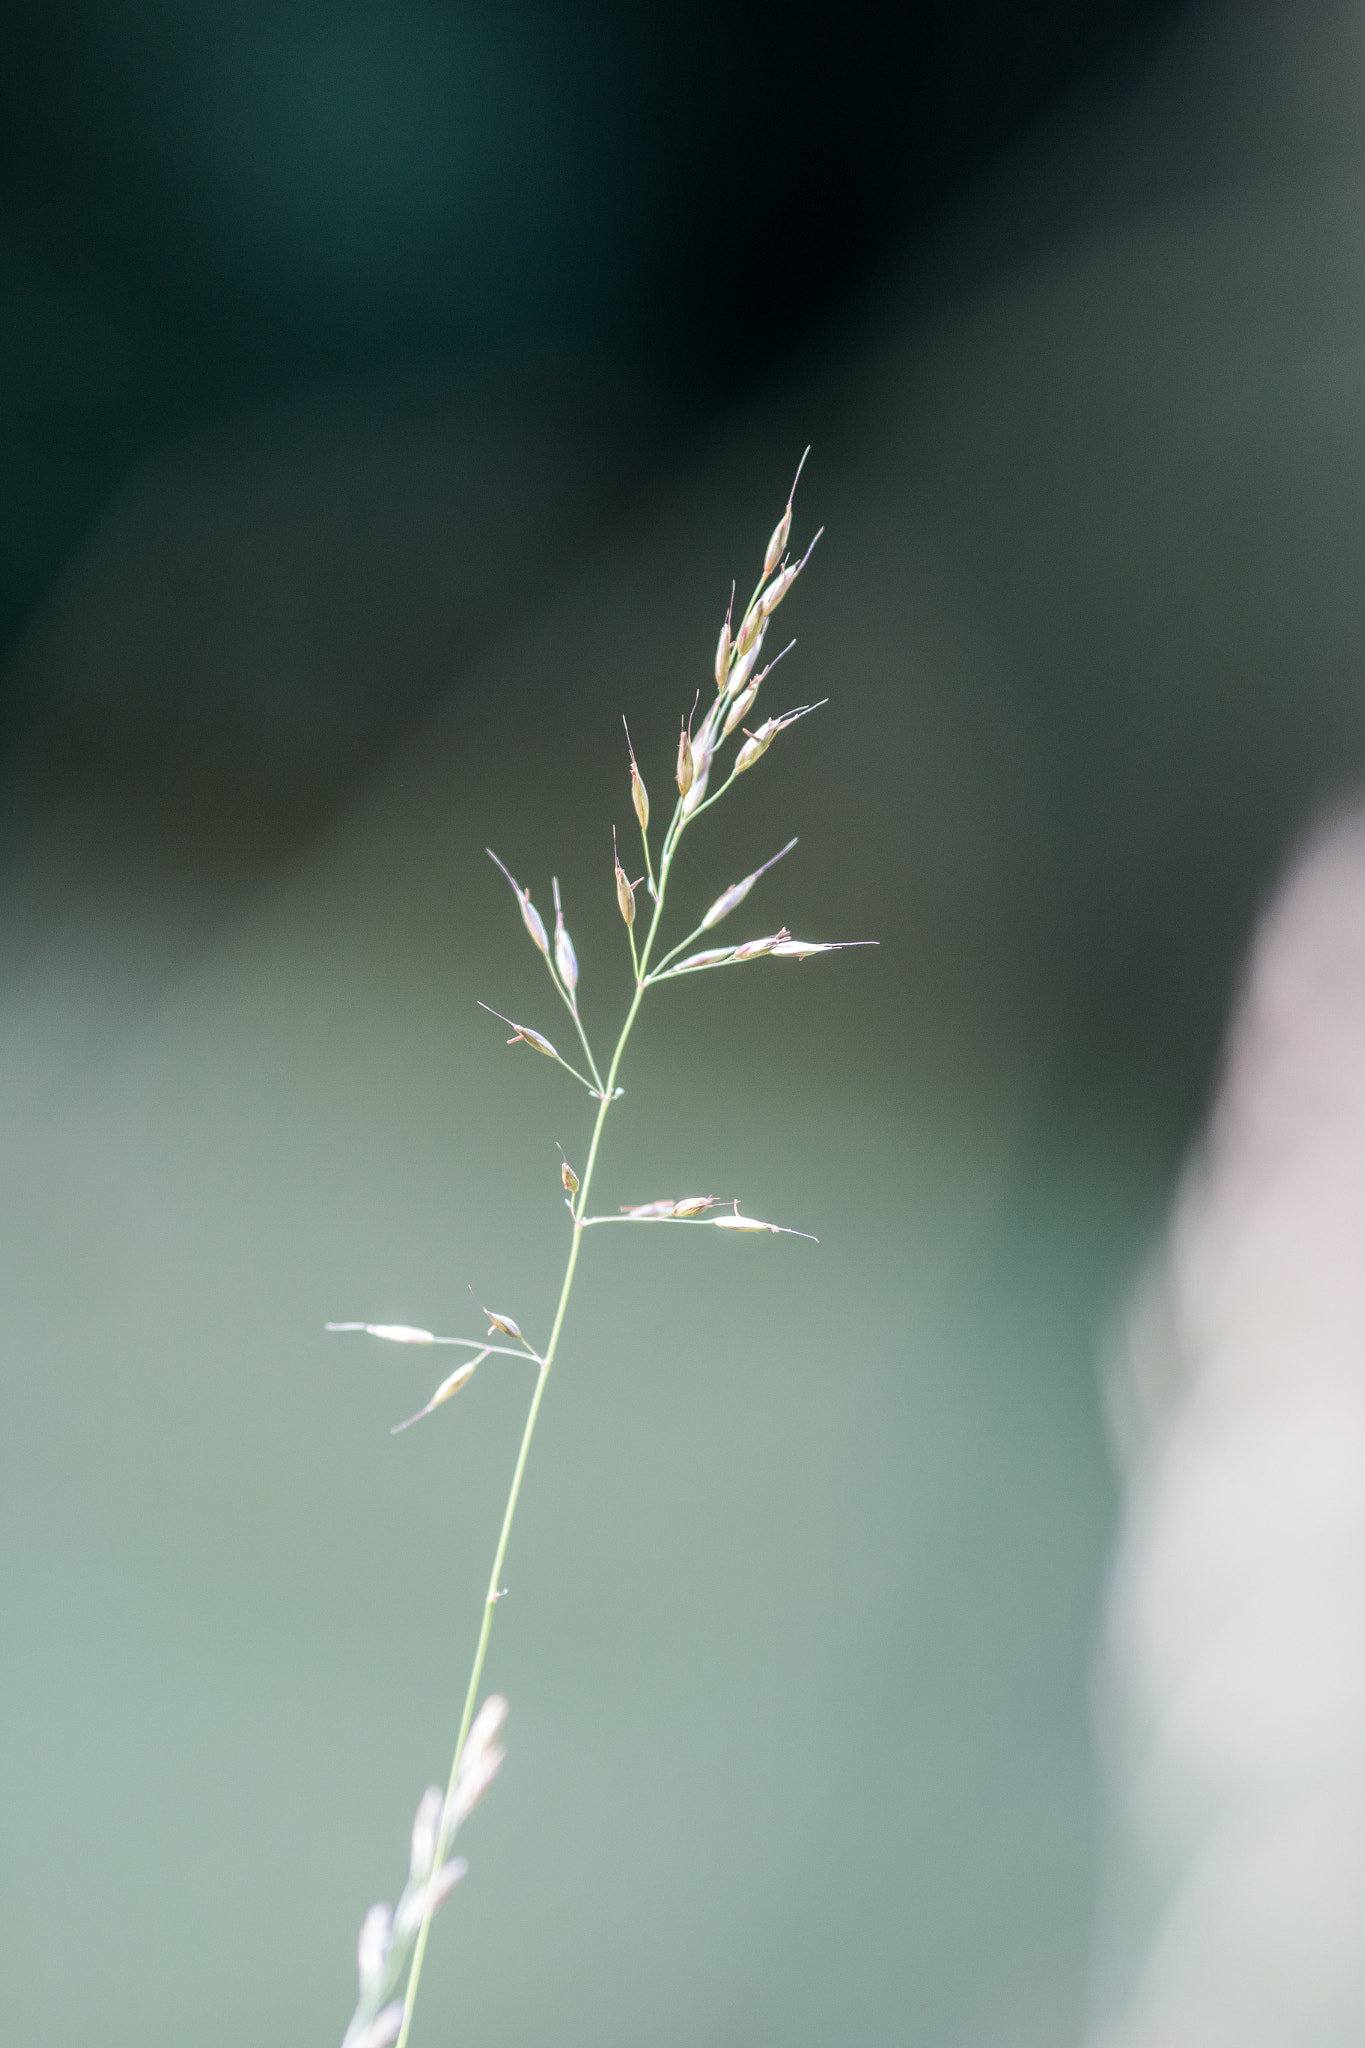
(385, 1963)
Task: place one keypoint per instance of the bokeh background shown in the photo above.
(390, 396)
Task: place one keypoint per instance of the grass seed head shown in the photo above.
(696, 791)
(693, 1205)
(754, 949)
(396, 1333)
(382, 2031)
(503, 1323)
(740, 709)
(778, 588)
(686, 765)
(713, 958)
(420, 1901)
(566, 960)
(731, 898)
(801, 949)
(755, 746)
(744, 668)
(482, 1758)
(639, 795)
(524, 1035)
(782, 530)
(461, 1377)
(755, 620)
(530, 916)
(625, 893)
(723, 646)
(758, 742)
(372, 1949)
(781, 535)
(567, 1175)
(426, 1829)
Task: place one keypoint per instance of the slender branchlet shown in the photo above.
(393, 1942)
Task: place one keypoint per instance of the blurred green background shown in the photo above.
(392, 397)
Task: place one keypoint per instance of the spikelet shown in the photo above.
(757, 743)
(739, 709)
(731, 898)
(625, 893)
(782, 530)
(530, 916)
(566, 960)
(459, 1378)
(801, 949)
(639, 795)
(713, 958)
(686, 766)
(481, 1759)
(754, 949)
(396, 1333)
(497, 1322)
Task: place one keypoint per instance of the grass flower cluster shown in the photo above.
(712, 756)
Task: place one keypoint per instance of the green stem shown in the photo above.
(571, 1005)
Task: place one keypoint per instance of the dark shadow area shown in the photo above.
(205, 211)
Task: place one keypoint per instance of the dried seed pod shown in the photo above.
(647, 1209)
(723, 654)
(738, 1222)
(567, 1175)
(686, 766)
(625, 893)
(530, 916)
(732, 897)
(692, 1205)
(566, 960)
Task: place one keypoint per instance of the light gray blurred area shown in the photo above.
(805, 1595)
